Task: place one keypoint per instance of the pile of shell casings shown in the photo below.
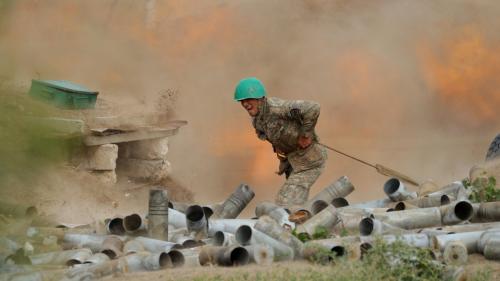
(174, 234)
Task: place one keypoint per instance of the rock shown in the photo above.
(152, 149)
(102, 157)
(153, 170)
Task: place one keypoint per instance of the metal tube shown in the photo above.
(456, 212)
(327, 218)
(112, 246)
(340, 188)
(176, 218)
(191, 256)
(317, 206)
(235, 256)
(187, 241)
(260, 254)
(115, 226)
(379, 203)
(350, 210)
(349, 221)
(197, 222)
(134, 262)
(430, 201)
(233, 205)
(340, 202)
(155, 245)
(68, 257)
(461, 228)
(492, 249)
(486, 212)
(224, 256)
(412, 239)
(96, 271)
(158, 214)
(485, 237)
(97, 258)
(134, 223)
(208, 211)
(270, 227)
(132, 247)
(455, 190)
(227, 225)
(396, 190)
(222, 238)
(455, 253)
(344, 246)
(413, 218)
(93, 242)
(211, 209)
(369, 226)
(156, 261)
(469, 239)
(278, 213)
(404, 205)
(177, 258)
(40, 233)
(145, 261)
(246, 235)
(79, 258)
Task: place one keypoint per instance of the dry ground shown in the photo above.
(276, 271)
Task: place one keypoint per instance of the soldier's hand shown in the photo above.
(304, 142)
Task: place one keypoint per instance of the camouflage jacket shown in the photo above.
(281, 122)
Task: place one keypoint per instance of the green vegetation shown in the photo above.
(320, 232)
(403, 262)
(26, 143)
(384, 262)
(483, 189)
(321, 255)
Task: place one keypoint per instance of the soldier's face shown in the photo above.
(251, 106)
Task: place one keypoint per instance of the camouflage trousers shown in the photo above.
(295, 190)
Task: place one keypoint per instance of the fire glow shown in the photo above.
(463, 72)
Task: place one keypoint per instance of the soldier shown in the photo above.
(289, 127)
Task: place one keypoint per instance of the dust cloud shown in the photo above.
(409, 84)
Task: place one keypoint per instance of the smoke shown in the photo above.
(409, 84)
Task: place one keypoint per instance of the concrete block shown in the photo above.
(106, 177)
(153, 170)
(102, 157)
(153, 149)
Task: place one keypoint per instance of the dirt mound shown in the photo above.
(67, 195)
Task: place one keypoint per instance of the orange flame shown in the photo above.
(263, 161)
(465, 75)
(365, 83)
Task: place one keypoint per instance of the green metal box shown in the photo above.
(63, 94)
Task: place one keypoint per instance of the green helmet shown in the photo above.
(249, 88)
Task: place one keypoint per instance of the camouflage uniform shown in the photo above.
(281, 123)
